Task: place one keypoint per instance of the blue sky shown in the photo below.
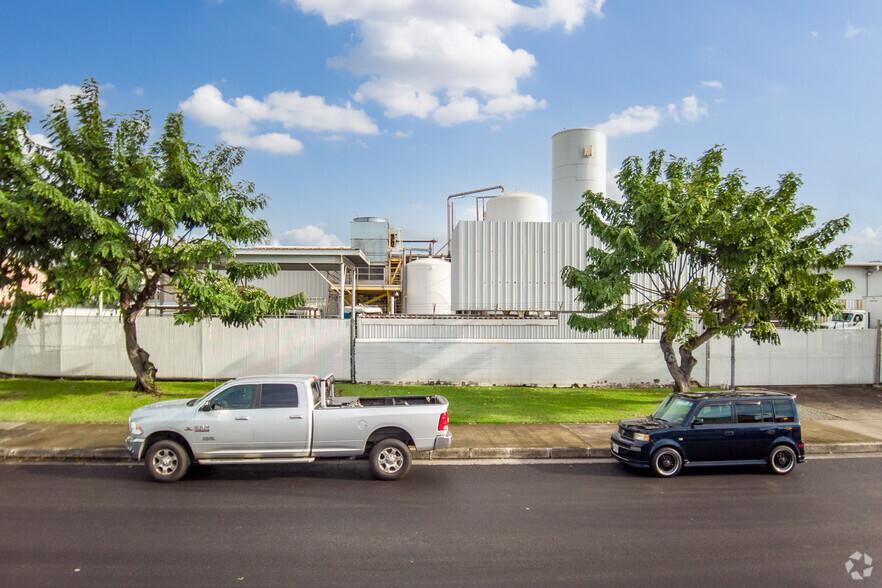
(384, 107)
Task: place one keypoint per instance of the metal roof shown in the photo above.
(305, 258)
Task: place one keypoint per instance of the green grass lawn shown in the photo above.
(103, 401)
(498, 404)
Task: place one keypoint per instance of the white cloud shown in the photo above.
(716, 84)
(866, 236)
(278, 143)
(692, 109)
(138, 91)
(642, 119)
(636, 119)
(815, 34)
(43, 98)
(404, 134)
(310, 236)
(445, 59)
(238, 119)
(853, 31)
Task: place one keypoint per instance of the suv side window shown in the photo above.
(235, 397)
(278, 396)
(753, 412)
(715, 414)
(785, 412)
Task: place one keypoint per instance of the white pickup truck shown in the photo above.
(285, 419)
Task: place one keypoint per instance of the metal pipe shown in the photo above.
(450, 209)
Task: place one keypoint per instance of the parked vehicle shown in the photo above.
(848, 319)
(714, 429)
(285, 419)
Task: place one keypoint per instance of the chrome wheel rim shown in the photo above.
(782, 460)
(390, 460)
(668, 462)
(165, 462)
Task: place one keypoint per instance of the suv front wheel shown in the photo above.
(782, 460)
(667, 462)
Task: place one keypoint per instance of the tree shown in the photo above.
(717, 258)
(27, 231)
(139, 218)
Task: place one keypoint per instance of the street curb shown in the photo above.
(452, 453)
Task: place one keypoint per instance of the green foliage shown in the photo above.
(718, 258)
(104, 212)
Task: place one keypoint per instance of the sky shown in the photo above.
(385, 107)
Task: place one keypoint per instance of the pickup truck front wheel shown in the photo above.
(390, 459)
(167, 461)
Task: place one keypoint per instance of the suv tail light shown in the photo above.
(442, 422)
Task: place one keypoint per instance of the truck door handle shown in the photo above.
(295, 416)
(241, 418)
(729, 433)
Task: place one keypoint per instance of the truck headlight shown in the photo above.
(135, 429)
(641, 437)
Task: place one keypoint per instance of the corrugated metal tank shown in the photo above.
(427, 286)
(578, 164)
(371, 235)
(517, 206)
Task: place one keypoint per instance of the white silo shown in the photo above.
(578, 164)
(427, 286)
(517, 206)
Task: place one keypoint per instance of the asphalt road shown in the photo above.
(595, 524)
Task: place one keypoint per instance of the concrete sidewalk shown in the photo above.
(841, 419)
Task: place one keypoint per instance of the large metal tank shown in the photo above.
(517, 206)
(578, 164)
(427, 286)
(371, 235)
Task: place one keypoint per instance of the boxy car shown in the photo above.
(712, 429)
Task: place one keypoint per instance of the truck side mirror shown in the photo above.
(697, 422)
(205, 407)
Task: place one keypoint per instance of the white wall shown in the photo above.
(90, 346)
(823, 357)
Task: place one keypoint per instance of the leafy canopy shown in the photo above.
(150, 217)
(718, 258)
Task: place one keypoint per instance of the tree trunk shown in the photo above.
(145, 371)
(681, 379)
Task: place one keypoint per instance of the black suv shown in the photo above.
(714, 428)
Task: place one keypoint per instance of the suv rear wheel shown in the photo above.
(782, 460)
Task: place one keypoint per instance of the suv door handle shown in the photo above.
(729, 433)
(242, 418)
(295, 416)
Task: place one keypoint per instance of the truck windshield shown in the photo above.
(204, 397)
(843, 317)
(673, 410)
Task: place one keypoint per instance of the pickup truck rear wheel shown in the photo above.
(390, 459)
(167, 461)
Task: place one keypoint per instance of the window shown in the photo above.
(715, 414)
(673, 410)
(785, 411)
(235, 397)
(753, 412)
(278, 396)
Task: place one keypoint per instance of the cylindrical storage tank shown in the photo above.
(578, 164)
(427, 286)
(517, 206)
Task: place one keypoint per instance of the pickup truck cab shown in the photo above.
(285, 419)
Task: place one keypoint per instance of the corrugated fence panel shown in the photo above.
(456, 327)
(511, 363)
(93, 346)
